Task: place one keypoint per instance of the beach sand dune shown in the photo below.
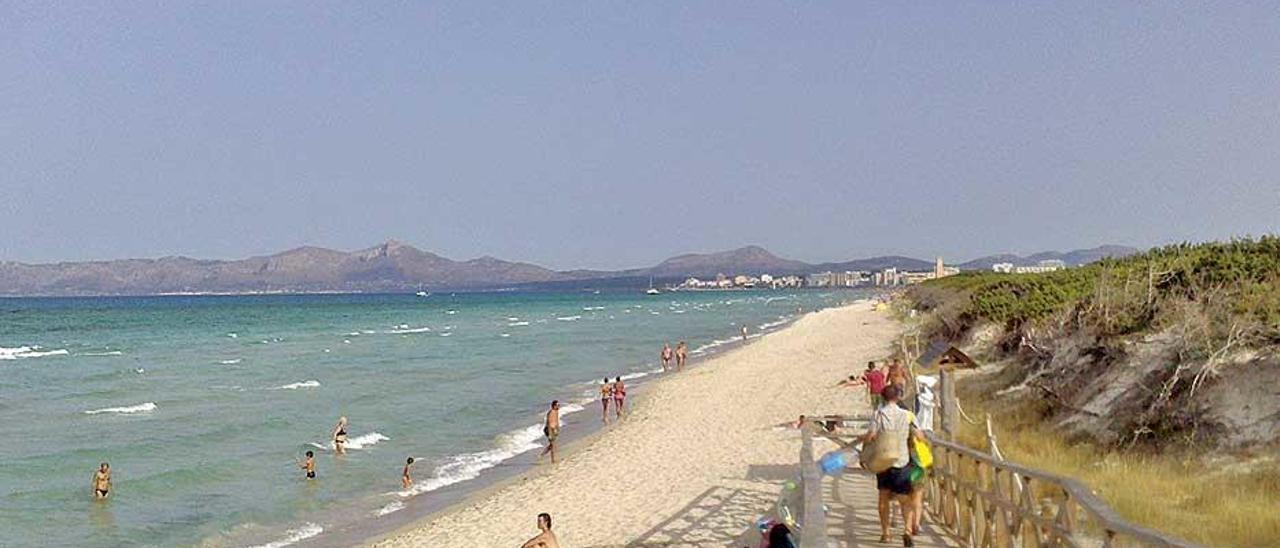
(699, 458)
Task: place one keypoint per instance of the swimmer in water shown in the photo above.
(340, 436)
(102, 482)
(309, 465)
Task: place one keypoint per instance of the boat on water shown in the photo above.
(652, 290)
(423, 293)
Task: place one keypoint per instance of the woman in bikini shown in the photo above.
(682, 353)
(340, 436)
(102, 481)
(606, 392)
(666, 356)
(619, 394)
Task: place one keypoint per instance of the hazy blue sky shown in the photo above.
(616, 134)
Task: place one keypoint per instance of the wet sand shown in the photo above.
(697, 460)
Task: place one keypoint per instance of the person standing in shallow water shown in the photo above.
(666, 356)
(340, 436)
(551, 428)
(309, 465)
(682, 353)
(619, 394)
(405, 480)
(606, 393)
(102, 482)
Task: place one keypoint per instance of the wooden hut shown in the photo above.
(942, 354)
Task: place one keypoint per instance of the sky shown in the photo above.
(616, 134)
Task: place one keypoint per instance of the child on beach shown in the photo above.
(405, 480)
(309, 465)
(102, 482)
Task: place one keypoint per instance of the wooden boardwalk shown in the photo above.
(852, 518)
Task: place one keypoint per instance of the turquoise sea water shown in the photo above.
(201, 404)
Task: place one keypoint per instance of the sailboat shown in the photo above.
(652, 290)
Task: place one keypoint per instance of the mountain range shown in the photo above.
(395, 267)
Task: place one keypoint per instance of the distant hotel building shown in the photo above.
(1040, 267)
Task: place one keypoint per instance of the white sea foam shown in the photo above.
(294, 536)
(406, 329)
(230, 362)
(513, 319)
(771, 325)
(711, 345)
(368, 331)
(468, 466)
(359, 442)
(28, 352)
(517, 324)
(297, 385)
(129, 410)
(505, 335)
(569, 318)
(394, 506)
(232, 335)
(450, 312)
(446, 334)
(108, 353)
(590, 308)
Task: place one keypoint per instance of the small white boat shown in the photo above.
(423, 294)
(652, 290)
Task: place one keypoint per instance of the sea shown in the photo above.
(203, 405)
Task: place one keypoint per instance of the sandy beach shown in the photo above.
(699, 457)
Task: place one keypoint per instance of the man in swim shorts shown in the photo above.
(102, 481)
(309, 465)
(552, 430)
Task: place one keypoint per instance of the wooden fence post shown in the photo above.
(950, 413)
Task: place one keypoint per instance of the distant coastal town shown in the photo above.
(852, 278)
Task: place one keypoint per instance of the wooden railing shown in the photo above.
(982, 500)
(813, 517)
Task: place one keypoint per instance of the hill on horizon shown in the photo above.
(395, 266)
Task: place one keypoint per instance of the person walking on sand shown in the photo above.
(606, 394)
(340, 436)
(619, 395)
(744, 333)
(102, 481)
(545, 538)
(309, 465)
(405, 480)
(682, 354)
(666, 356)
(551, 428)
(894, 483)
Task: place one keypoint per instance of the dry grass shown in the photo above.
(1235, 504)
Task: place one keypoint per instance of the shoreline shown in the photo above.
(519, 482)
(578, 435)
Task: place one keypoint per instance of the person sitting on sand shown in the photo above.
(340, 436)
(545, 539)
(619, 395)
(309, 465)
(682, 353)
(102, 481)
(405, 480)
(666, 356)
(606, 394)
(551, 428)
